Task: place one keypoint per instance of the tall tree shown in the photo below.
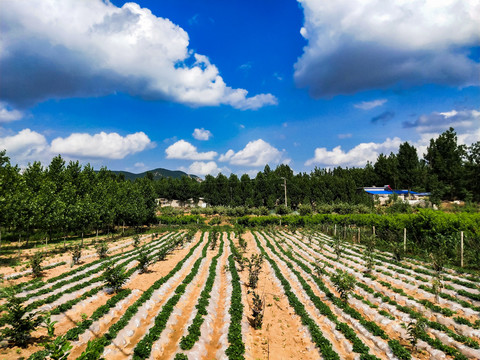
(445, 164)
(408, 166)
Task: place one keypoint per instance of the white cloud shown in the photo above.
(355, 45)
(367, 105)
(8, 114)
(184, 150)
(28, 145)
(24, 146)
(102, 145)
(111, 50)
(202, 168)
(255, 153)
(202, 134)
(358, 156)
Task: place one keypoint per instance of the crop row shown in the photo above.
(434, 325)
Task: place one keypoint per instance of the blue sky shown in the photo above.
(209, 86)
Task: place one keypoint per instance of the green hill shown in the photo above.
(157, 174)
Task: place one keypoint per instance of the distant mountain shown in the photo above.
(157, 174)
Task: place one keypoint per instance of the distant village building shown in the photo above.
(383, 194)
(162, 202)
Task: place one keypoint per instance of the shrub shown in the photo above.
(143, 261)
(344, 283)
(305, 209)
(282, 210)
(415, 329)
(258, 308)
(20, 323)
(59, 349)
(254, 265)
(102, 250)
(136, 240)
(76, 254)
(115, 277)
(36, 264)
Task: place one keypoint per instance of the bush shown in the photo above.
(102, 249)
(344, 283)
(36, 264)
(76, 254)
(305, 209)
(282, 210)
(143, 261)
(115, 277)
(19, 324)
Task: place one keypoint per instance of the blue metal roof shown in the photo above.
(379, 192)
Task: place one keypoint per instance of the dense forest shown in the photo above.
(67, 198)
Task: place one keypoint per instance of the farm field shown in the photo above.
(263, 294)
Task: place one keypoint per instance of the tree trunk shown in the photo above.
(82, 239)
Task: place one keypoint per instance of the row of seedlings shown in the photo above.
(435, 343)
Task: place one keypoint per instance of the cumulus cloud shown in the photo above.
(24, 146)
(7, 114)
(358, 156)
(203, 168)
(28, 145)
(75, 48)
(255, 153)
(202, 134)
(184, 150)
(366, 44)
(102, 145)
(367, 105)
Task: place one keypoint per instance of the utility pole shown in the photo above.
(285, 187)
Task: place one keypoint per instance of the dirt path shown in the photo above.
(282, 335)
(217, 327)
(168, 344)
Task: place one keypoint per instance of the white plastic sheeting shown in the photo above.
(124, 336)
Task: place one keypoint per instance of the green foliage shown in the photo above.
(36, 264)
(344, 283)
(102, 249)
(258, 308)
(180, 356)
(305, 209)
(76, 254)
(49, 325)
(338, 246)
(19, 323)
(143, 261)
(136, 240)
(254, 266)
(58, 349)
(282, 210)
(415, 329)
(115, 277)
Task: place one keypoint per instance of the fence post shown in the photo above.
(358, 235)
(404, 240)
(335, 230)
(461, 249)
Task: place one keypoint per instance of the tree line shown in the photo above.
(448, 170)
(63, 199)
(68, 198)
